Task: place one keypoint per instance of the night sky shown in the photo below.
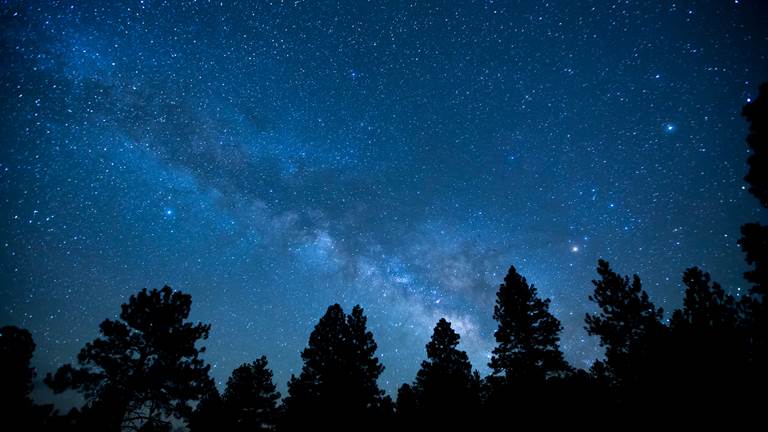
(273, 159)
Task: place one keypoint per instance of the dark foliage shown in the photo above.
(16, 377)
(144, 369)
(707, 352)
(406, 406)
(756, 113)
(16, 349)
(527, 336)
(337, 385)
(527, 355)
(706, 307)
(754, 241)
(208, 415)
(446, 391)
(629, 327)
(250, 399)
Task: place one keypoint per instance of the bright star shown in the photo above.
(670, 127)
(574, 248)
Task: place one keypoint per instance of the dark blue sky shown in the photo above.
(272, 159)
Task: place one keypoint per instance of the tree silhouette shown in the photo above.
(144, 369)
(407, 406)
(208, 415)
(706, 307)
(628, 325)
(338, 378)
(754, 240)
(707, 350)
(756, 113)
(363, 350)
(446, 390)
(250, 399)
(16, 376)
(754, 243)
(16, 349)
(17, 409)
(527, 335)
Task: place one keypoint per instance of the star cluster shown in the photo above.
(272, 158)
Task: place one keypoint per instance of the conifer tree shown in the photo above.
(339, 377)
(363, 350)
(16, 377)
(756, 113)
(527, 334)
(707, 354)
(706, 307)
(144, 369)
(250, 399)
(208, 415)
(445, 383)
(628, 325)
(754, 239)
(407, 405)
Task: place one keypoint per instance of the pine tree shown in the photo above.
(628, 324)
(527, 335)
(338, 378)
(16, 377)
(707, 352)
(16, 349)
(144, 369)
(756, 113)
(445, 384)
(367, 366)
(754, 240)
(754, 244)
(250, 399)
(208, 415)
(407, 405)
(706, 307)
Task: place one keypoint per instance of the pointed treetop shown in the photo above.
(527, 335)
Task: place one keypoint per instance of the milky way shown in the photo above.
(272, 159)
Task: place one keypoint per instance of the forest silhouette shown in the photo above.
(706, 364)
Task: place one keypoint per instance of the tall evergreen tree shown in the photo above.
(337, 383)
(250, 399)
(363, 350)
(754, 240)
(144, 369)
(527, 335)
(754, 244)
(707, 351)
(706, 306)
(756, 113)
(629, 325)
(407, 405)
(16, 376)
(445, 386)
(208, 415)
(17, 409)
